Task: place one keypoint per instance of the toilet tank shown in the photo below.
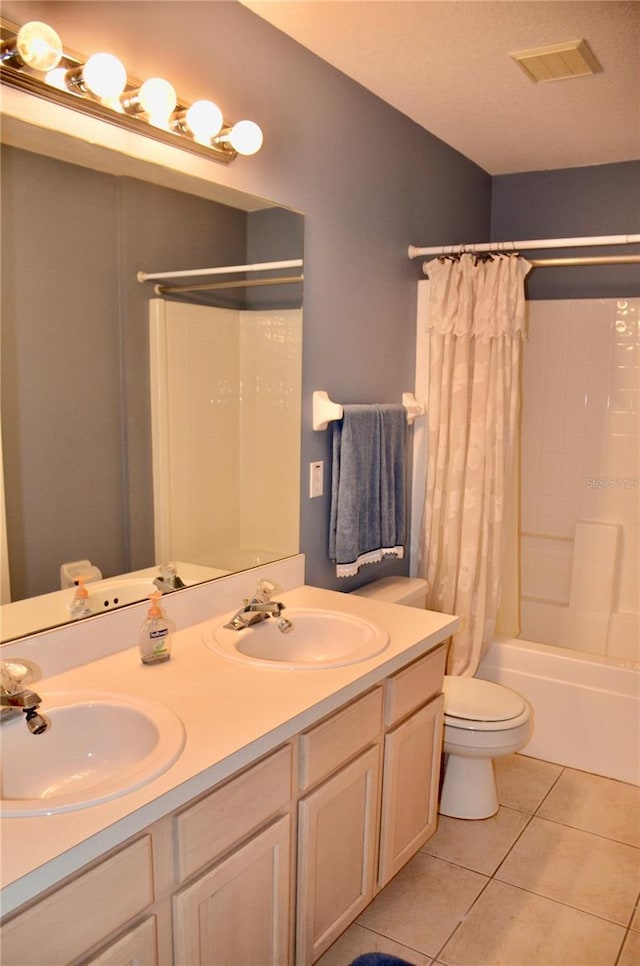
(410, 591)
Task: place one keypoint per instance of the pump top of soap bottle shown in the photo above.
(80, 606)
(155, 610)
(155, 634)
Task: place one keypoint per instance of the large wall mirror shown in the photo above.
(139, 429)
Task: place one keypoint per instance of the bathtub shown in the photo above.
(586, 707)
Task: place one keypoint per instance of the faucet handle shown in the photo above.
(264, 590)
(15, 673)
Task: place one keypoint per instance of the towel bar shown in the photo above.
(325, 411)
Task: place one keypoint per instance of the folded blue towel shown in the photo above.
(367, 487)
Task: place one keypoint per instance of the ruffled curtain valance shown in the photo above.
(482, 298)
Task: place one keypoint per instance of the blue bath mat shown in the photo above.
(379, 959)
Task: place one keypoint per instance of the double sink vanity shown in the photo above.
(240, 804)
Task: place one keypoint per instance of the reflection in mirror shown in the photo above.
(215, 487)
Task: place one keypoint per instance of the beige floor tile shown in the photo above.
(585, 871)
(600, 805)
(510, 927)
(635, 921)
(479, 845)
(630, 955)
(423, 904)
(523, 782)
(358, 940)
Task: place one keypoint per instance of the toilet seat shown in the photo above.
(476, 705)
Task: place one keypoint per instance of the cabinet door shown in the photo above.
(337, 835)
(412, 755)
(138, 947)
(238, 911)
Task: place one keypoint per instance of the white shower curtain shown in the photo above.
(476, 324)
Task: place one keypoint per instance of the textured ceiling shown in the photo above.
(446, 65)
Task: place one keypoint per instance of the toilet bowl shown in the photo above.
(482, 721)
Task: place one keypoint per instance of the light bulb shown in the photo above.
(245, 137)
(158, 99)
(104, 75)
(204, 120)
(38, 46)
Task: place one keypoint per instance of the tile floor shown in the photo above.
(553, 879)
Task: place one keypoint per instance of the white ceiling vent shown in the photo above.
(558, 61)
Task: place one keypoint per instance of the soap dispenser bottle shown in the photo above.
(155, 634)
(80, 606)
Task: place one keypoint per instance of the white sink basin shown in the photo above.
(317, 639)
(118, 591)
(100, 745)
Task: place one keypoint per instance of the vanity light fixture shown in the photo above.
(245, 137)
(156, 98)
(33, 59)
(203, 120)
(103, 75)
(35, 45)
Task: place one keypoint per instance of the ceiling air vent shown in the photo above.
(558, 61)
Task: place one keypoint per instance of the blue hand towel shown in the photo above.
(367, 487)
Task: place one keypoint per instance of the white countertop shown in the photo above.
(233, 714)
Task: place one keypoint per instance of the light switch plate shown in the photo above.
(316, 474)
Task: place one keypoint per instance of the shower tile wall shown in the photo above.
(230, 385)
(580, 476)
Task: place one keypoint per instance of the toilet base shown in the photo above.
(469, 788)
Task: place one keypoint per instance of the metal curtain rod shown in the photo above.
(589, 260)
(527, 245)
(243, 283)
(221, 270)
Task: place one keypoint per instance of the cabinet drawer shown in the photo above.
(229, 814)
(414, 685)
(138, 947)
(84, 912)
(339, 738)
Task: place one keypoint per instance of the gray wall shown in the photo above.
(369, 181)
(572, 202)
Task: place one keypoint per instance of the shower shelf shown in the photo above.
(325, 411)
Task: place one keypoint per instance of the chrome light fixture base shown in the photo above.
(75, 96)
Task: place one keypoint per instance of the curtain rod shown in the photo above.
(528, 245)
(243, 283)
(221, 270)
(589, 260)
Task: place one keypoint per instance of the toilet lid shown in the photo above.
(478, 700)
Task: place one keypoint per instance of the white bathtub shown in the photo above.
(586, 707)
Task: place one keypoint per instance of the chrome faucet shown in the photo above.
(257, 608)
(168, 580)
(15, 697)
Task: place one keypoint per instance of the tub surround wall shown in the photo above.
(580, 481)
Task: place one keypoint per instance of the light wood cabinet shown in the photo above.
(215, 882)
(410, 788)
(62, 927)
(138, 947)
(238, 911)
(337, 835)
(362, 824)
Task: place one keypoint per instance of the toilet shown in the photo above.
(482, 720)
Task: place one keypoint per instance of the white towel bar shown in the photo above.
(325, 411)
